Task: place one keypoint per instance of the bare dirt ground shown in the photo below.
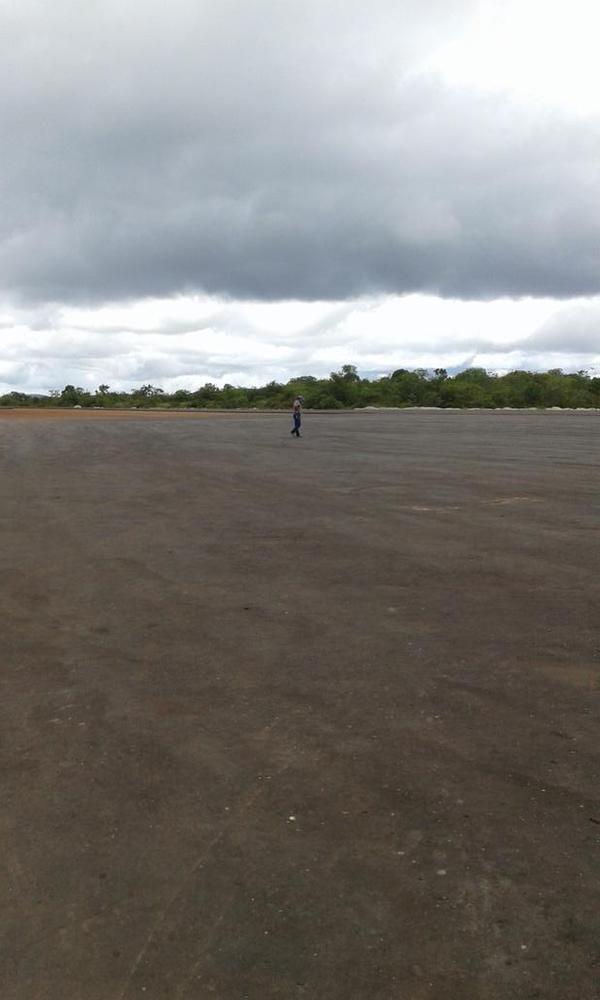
(300, 719)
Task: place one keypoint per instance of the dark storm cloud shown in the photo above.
(272, 151)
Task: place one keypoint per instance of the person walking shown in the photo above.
(297, 415)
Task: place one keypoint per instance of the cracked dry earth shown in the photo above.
(300, 719)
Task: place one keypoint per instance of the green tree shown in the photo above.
(71, 396)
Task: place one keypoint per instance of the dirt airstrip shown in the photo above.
(300, 719)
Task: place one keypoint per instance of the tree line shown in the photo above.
(474, 387)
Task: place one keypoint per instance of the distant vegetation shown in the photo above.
(343, 389)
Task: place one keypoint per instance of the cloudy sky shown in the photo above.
(241, 190)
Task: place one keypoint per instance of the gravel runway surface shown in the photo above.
(300, 719)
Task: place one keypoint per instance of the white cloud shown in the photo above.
(541, 51)
(184, 343)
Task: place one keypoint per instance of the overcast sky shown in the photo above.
(240, 190)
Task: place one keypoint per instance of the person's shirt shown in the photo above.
(297, 406)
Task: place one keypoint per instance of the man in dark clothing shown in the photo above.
(297, 415)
